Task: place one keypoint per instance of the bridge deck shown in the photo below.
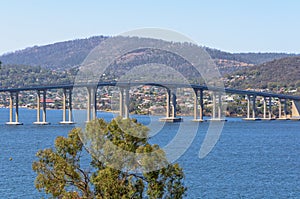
(165, 85)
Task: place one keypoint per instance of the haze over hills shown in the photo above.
(68, 54)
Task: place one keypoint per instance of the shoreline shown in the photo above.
(162, 115)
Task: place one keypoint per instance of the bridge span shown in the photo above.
(171, 116)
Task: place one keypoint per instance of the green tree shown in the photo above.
(123, 164)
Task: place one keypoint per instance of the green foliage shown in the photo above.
(58, 169)
(13, 76)
(60, 174)
(272, 75)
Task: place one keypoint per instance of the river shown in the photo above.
(258, 159)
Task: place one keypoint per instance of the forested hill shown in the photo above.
(58, 56)
(274, 75)
(65, 55)
(250, 58)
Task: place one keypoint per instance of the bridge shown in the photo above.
(171, 116)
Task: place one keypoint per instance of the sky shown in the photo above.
(229, 25)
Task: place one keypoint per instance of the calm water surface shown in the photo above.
(251, 160)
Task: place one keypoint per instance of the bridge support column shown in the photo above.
(64, 121)
(174, 104)
(253, 118)
(265, 108)
(168, 113)
(88, 105)
(11, 104)
(38, 106)
(70, 107)
(126, 104)
(44, 116)
(94, 102)
(195, 105)
(285, 109)
(295, 110)
(217, 106)
(254, 108)
(11, 107)
(171, 116)
(280, 110)
(201, 107)
(121, 107)
(64, 105)
(248, 106)
(270, 108)
(198, 98)
(214, 106)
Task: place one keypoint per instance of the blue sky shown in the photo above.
(234, 26)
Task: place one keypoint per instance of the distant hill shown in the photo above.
(68, 54)
(274, 75)
(250, 58)
(231, 62)
(58, 56)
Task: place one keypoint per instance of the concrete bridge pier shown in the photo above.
(217, 107)
(171, 107)
(282, 112)
(11, 107)
(267, 109)
(295, 110)
(91, 106)
(70, 118)
(94, 102)
(88, 105)
(121, 103)
(124, 102)
(174, 104)
(214, 106)
(198, 102)
(38, 108)
(168, 113)
(253, 118)
(270, 109)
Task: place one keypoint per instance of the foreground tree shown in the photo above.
(122, 164)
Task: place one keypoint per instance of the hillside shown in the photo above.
(68, 54)
(13, 76)
(58, 56)
(58, 62)
(277, 76)
(249, 58)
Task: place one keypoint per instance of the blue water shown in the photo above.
(251, 159)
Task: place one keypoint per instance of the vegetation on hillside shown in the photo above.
(14, 76)
(69, 54)
(250, 58)
(276, 76)
(58, 63)
(58, 56)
